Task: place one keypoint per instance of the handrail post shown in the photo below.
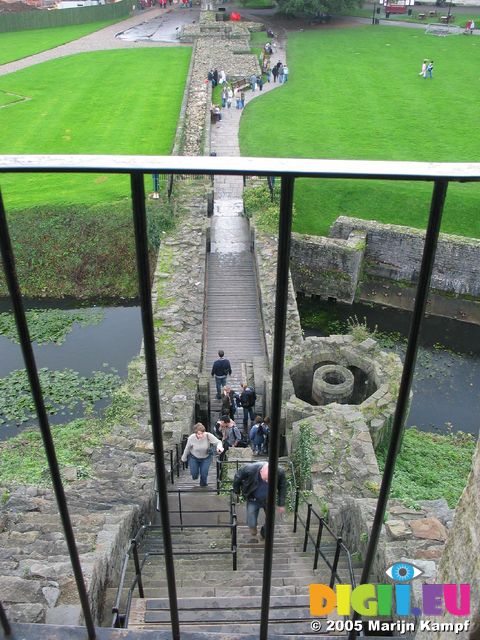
(335, 562)
(234, 542)
(295, 517)
(307, 526)
(172, 476)
(180, 509)
(318, 542)
(138, 571)
(278, 361)
(177, 460)
(144, 286)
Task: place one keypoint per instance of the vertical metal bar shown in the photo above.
(281, 303)
(143, 268)
(7, 629)
(428, 259)
(138, 571)
(32, 373)
(234, 542)
(180, 509)
(335, 562)
(318, 543)
(172, 470)
(307, 526)
(295, 516)
(177, 460)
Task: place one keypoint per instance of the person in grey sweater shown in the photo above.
(198, 452)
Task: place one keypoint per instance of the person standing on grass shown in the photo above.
(285, 73)
(430, 70)
(423, 72)
(198, 452)
(252, 481)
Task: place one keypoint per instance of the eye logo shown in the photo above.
(403, 572)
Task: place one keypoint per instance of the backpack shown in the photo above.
(242, 442)
(248, 397)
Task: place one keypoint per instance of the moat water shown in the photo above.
(446, 385)
(107, 346)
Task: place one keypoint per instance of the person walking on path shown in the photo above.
(224, 96)
(252, 481)
(229, 401)
(229, 97)
(285, 73)
(247, 401)
(275, 73)
(238, 101)
(198, 452)
(253, 82)
(220, 370)
(242, 99)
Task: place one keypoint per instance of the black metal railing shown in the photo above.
(288, 170)
(119, 617)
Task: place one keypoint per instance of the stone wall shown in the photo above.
(36, 582)
(460, 562)
(395, 252)
(213, 49)
(327, 267)
(382, 369)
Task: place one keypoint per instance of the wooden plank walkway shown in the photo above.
(233, 319)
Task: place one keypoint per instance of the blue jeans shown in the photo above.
(253, 509)
(199, 465)
(248, 411)
(220, 382)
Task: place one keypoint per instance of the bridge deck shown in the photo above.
(233, 318)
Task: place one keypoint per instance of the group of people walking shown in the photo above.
(252, 479)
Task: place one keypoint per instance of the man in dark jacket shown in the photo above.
(248, 398)
(220, 370)
(252, 481)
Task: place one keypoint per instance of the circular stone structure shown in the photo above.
(332, 383)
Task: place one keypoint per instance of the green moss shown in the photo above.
(431, 466)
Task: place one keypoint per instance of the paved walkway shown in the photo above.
(234, 321)
(153, 28)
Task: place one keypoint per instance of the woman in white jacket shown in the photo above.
(198, 452)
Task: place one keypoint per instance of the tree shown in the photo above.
(316, 8)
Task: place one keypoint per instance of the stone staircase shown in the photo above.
(212, 597)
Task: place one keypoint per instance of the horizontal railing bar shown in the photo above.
(291, 167)
(157, 527)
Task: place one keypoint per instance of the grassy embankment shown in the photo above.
(362, 98)
(73, 232)
(15, 45)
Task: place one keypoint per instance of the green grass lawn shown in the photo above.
(19, 44)
(107, 102)
(356, 94)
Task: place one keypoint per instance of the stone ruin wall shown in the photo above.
(395, 252)
(335, 266)
(327, 267)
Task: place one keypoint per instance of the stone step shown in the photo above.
(229, 615)
(241, 602)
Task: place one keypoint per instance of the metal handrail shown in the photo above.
(439, 174)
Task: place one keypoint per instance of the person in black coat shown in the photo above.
(252, 481)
